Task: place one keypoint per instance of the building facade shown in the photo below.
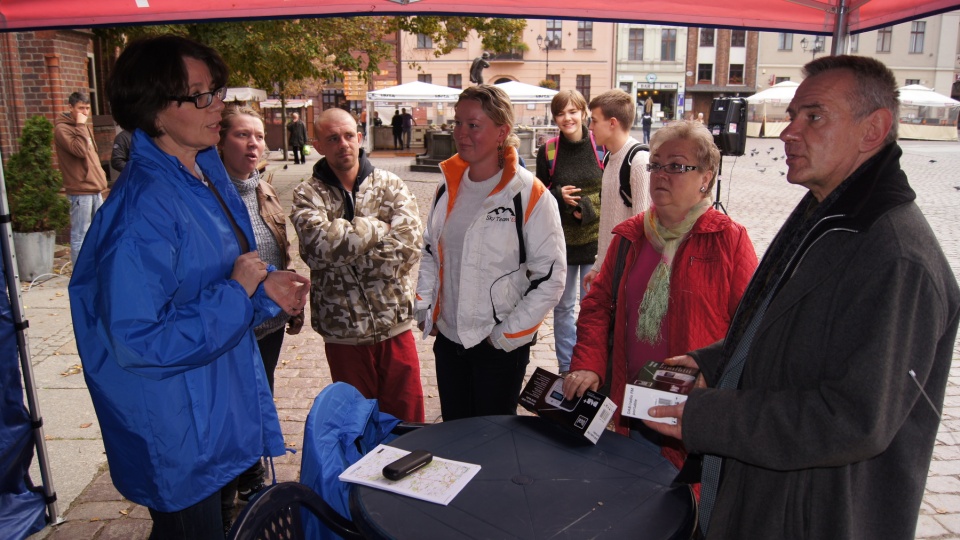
(720, 63)
(925, 52)
(650, 62)
(571, 54)
(38, 72)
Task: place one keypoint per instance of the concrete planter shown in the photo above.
(34, 253)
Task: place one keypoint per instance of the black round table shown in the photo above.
(535, 481)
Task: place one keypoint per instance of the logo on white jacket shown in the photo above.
(502, 213)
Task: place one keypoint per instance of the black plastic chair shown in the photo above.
(275, 515)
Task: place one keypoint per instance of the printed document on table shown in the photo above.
(438, 482)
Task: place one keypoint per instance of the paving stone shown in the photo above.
(929, 527)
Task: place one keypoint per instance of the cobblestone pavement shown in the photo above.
(753, 190)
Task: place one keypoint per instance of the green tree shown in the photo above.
(281, 55)
(33, 185)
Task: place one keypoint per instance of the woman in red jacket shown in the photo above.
(686, 268)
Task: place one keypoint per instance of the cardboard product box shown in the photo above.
(586, 416)
(657, 385)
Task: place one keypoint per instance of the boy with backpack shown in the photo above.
(624, 194)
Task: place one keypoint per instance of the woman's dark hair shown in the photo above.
(151, 70)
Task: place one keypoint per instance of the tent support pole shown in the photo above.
(29, 385)
(840, 31)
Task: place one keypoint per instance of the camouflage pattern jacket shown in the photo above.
(361, 250)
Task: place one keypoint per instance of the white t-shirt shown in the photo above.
(612, 209)
(470, 197)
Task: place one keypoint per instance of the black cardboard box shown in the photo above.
(586, 416)
(657, 385)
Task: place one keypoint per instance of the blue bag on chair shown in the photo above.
(342, 426)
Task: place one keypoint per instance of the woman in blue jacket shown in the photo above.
(165, 296)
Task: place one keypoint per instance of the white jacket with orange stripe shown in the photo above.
(499, 297)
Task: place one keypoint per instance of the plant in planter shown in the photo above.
(36, 206)
(549, 84)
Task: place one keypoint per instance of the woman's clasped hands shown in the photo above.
(288, 289)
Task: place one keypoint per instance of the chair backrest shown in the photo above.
(275, 514)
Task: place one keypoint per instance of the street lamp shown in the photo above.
(546, 45)
(815, 47)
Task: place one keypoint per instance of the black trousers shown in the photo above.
(478, 381)
(298, 154)
(201, 521)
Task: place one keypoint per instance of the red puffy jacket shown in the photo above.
(710, 273)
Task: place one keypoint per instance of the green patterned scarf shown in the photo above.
(666, 241)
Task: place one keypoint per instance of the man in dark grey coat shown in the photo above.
(823, 401)
(297, 132)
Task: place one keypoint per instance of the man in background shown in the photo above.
(84, 179)
(297, 137)
(611, 115)
(408, 123)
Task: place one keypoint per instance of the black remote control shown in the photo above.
(400, 468)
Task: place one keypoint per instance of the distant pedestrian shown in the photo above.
(297, 138)
(397, 124)
(408, 123)
(647, 123)
(121, 150)
(84, 179)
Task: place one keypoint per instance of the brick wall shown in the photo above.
(38, 72)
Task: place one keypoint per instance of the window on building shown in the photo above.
(854, 43)
(917, 29)
(626, 87)
(585, 35)
(455, 81)
(554, 33)
(92, 81)
(425, 78)
(786, 42)
(884, 39)
(738, 38)
(704, 73)
(635, 44)
(912, 81)
(424, 41)
(668, 44)
(707, 35)
(778, 80)
(583, 86)
(736, 73)
(555, 77)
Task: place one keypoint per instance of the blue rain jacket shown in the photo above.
(166, 337)
(341, 428)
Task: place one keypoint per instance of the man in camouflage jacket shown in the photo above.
(360, 234)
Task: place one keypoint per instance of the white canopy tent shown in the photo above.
(925, 114)
(411, 92)
(523, 93)
(767, 110)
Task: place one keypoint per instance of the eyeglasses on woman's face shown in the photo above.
(670, 168)
(203, 100)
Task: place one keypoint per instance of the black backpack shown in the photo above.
(625, 191)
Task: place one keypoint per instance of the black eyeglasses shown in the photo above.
(670, 168)
(201, 101)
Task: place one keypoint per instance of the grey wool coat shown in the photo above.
(828, 436)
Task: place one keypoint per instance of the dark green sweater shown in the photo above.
(576, 165)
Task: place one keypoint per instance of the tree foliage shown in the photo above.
(33, 185)
(288, 52)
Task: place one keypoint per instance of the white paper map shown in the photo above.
(438, 482)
